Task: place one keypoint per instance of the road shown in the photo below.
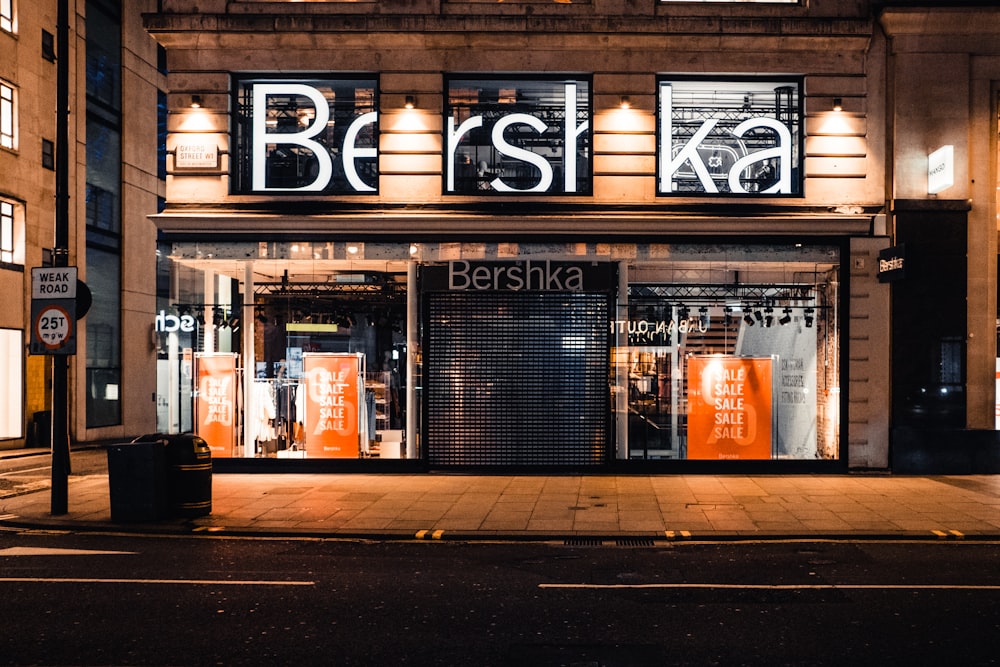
(90, 599)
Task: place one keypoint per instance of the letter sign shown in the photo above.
(307, 136)
(517, 136)
(738, 137)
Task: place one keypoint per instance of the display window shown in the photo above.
(473, 355)
(729, 353)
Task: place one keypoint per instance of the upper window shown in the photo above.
(740, 136)
(306, 135)
(11, 233)
(8, 117)
(517, 135)
(7, 15)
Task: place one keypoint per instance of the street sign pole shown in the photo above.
(60, 364)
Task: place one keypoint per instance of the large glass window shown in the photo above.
(729, 353)
(517, 135)
(460, 353)
(306, 135)
(12, 397)
(312, 336)
(8, 116)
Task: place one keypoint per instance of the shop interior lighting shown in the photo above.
(768, 316)
(625, 102)
(705, 319)
(759, 315)
(838, 104)
(808, 316)
(682, 313)
(196, 101)
(786, 317)
(748, 318)
(410, 101)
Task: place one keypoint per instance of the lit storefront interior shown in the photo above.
(454, 355)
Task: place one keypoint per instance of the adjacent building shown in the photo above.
(114, 185)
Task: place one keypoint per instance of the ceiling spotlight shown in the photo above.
(768, 317)
(196, 101)
(704, 317)
(759, 315)
(838, 104)
(625, 102)
(748, 318)
(808, 317)
(410, 101)
(786, 317)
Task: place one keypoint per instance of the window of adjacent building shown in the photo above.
(104, 242)
(7, 15)
(48, 46)
(12, 397)
(11, 233)
(48, 154)
(8, 116)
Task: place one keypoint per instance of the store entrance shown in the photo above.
(517, 379)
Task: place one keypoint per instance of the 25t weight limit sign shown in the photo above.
(53, 311)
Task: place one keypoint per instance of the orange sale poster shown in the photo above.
(730, 401)
(332, 396)
(215, 406)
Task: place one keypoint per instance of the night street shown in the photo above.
(131, 600)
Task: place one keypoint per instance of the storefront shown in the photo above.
(315, 318)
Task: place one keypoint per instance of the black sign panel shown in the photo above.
(892, 264)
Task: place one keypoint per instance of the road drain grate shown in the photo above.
(635, 542)
(583, 542)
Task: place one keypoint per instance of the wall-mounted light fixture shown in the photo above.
(410, 101)
(625, 102)
(838, 104)
(196, 101)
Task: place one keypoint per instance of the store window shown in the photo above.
(309, 339)
(517, 135)
(11, 233)
(306, 135)
(729, 353)
(8, 116)
(737, 136)
(11, 368)
(502, 354)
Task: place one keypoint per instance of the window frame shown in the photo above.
(11, 233)
(8, 115)
(8, 17)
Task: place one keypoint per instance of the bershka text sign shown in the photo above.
(730, 137)
(517, 276)
(317, 135)
(517, 136)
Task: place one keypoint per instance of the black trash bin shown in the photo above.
(188, 463)
(137, 477)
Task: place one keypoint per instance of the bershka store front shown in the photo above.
(503, 355)
(337, 308)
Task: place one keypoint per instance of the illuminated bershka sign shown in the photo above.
(730, 137)
(306, 136)
(517, 135)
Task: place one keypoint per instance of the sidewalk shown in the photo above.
(552, 507)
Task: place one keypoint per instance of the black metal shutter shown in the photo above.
(517, 378)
